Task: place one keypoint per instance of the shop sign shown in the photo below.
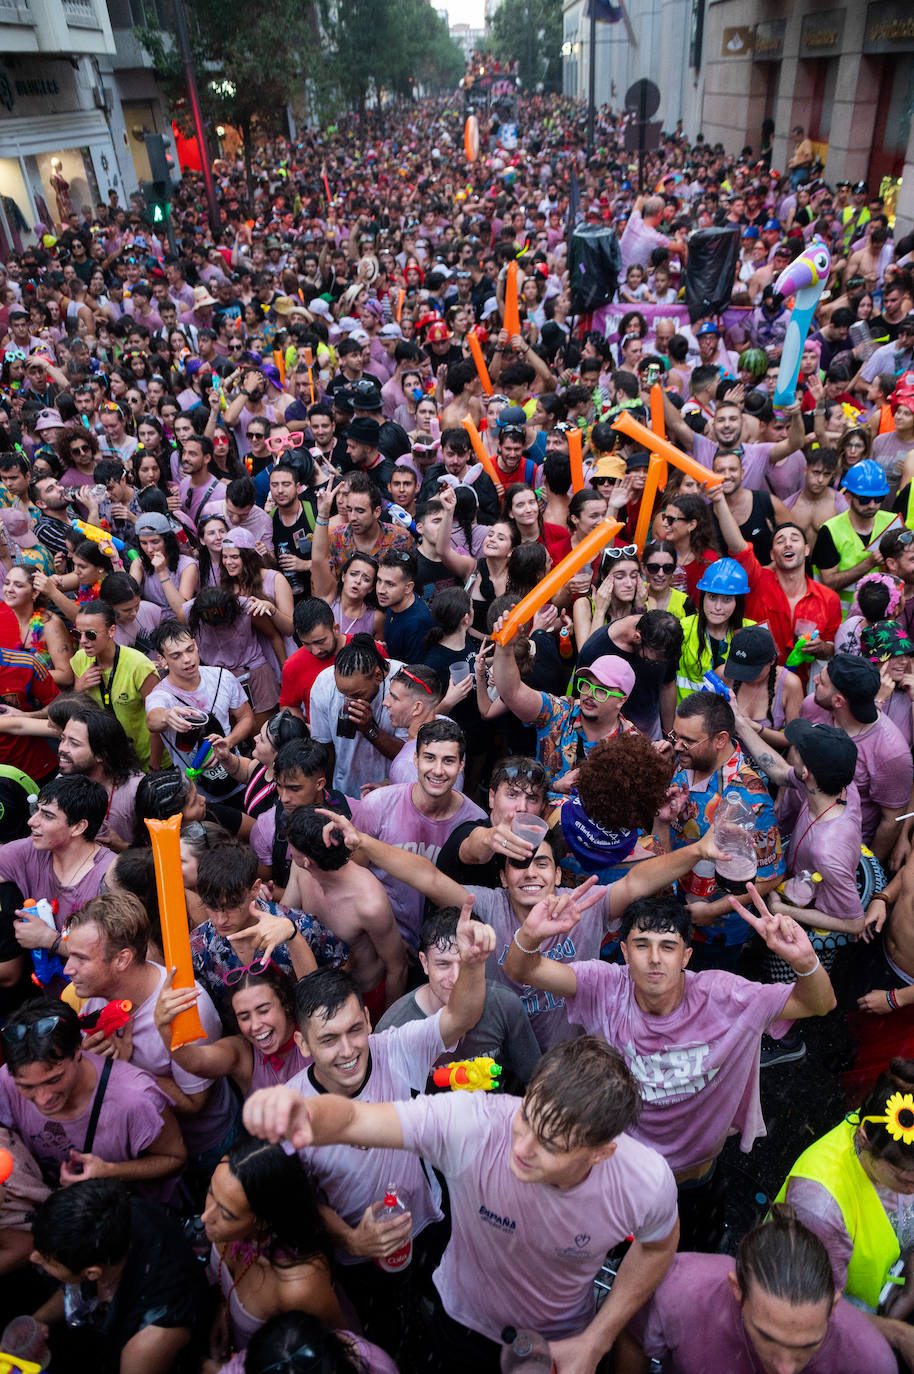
(889, 27)
(821, 33)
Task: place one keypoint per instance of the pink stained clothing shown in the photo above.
(24, 1189)
(209, 1127)
(148, 618)
(389, 814)
(264, 1075)
(257, 523)
(208, 496)
(151, 588)
(362, 625)
(698, 1068)
(639, 240)
(548, 1015)
(129, 1122)
(236, 647)
(830, 847)
(692, 1322)
(32, 870)
(352, 1178)
(240, 427)
(527, 1252)
(403, 765)
(122, 810)
(244, 1323)
(885, 770)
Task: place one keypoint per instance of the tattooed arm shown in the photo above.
(773, 763)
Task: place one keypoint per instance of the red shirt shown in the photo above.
(766, 603)
(298, 675)
(26, 685)
(558, 541)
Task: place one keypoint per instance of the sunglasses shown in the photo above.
(91, 635)
(43, 1026)
(256, 434)
(671, 519)
(660, 567)
(80, 449)
(627, 551)
(235, 975)
(277, 442)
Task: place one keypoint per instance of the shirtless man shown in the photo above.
(888, 972)
(467, 388)
(350, 901)
(818, 501)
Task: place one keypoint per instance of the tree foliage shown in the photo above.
(388, 46)
(530, 32)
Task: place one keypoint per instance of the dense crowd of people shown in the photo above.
(268, 498)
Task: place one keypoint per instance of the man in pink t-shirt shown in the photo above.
(692, 1040)
(540, 1189)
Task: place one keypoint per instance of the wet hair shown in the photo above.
(622, 782)
(823, 457)
(84, 1225)
(520, 772)
(323, 993)
(226, 873)
(284, 728)
(661, 632)
(582, 1094)
(275, 1348)
(106, 737)
(90, 552)
(80, 799)
(873, 599)
(659, 915)
(898, 1078)
(557, 472)
(441, 731)
(526, 568)
(439, 930)
(158, 796)
(307, 756)
(428, 688)
(121, 920)
(272, 977)
(448, 608)
(305, 832)
(117, 588)
(716, 713)
(170, 632)
(785, 1259)
(283, 1199)
(40, 1047)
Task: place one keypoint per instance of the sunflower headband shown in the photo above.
(898, 1119)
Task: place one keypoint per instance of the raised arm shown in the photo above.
(323, 583)
(399, 863)
(522, 701)
(773, 763)
(475, 942)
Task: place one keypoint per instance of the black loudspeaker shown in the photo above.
(710, 269)
(594, 263)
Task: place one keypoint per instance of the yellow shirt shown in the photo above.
(127, 703)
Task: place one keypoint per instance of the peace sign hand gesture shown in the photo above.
(782, 934)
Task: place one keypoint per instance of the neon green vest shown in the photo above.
(832, 1161)
(851, 547)
(695, 659)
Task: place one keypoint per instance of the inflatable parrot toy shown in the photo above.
(805, 279)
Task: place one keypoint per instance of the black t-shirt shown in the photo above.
(295, 539)
(824, 554)
(431, 576)
(450, 863)
(643, 706)
(162, 1283)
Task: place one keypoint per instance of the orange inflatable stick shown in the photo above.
(479, 449)
(556, 578)
(626, 424)
(646, 510)
(166, 854)
(512, 317)
(576, 454)
(658, 425)
(6, 1165)
(482, 371)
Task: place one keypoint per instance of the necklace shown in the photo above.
(227, 1297)
(837, 802)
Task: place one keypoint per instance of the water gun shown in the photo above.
(108, 1019)
(6, 1165)
(713, 683)
(398, 516)
(46, 964)
(198, 762)
(468, 1075)
(798, 654)
(106, 541)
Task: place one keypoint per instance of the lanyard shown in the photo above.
(105, 689)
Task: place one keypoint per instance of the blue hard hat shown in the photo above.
(726, 577)
(866, 478)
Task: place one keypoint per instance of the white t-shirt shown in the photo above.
(357, 760)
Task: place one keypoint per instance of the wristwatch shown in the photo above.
(372, 732)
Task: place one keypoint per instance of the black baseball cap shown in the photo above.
(858, 681)
(827, 751)
(751, 649)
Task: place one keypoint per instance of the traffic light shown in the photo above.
(157, 195)
(161, 162)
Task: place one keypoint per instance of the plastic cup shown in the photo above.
(528, 827)
(24, 1339)
(459, 671)
(188, 740)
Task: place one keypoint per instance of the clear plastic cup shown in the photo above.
(528, 827)
(459, 671)
(187, 740)
(24, 1339)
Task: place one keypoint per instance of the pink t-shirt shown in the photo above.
(884, 770)
(32, 870)
(698, 1068)
(693, 1324)
(830, 847)
(389, 814)
(526, 1253)
(130, 1119)
(210, 1126)
(548, 1014)
(353, 1178)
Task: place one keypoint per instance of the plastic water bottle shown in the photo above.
(800, 890)
(525, 1351)
(734, 836)
(387, 1209)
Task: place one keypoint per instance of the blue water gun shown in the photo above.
(198, 762)
(713, 683)
(398, 516)
(46, 965)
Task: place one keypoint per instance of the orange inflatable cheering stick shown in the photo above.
(627, 424)
(576, 455)
(512, 316)
(166, 854)
(479, 449)
(658, 425)
(583, 553)
(481, 370)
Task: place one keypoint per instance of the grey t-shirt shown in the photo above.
(503, 1031)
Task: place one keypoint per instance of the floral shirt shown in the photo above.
(342, 544)
(213, 955)
(560, 740)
